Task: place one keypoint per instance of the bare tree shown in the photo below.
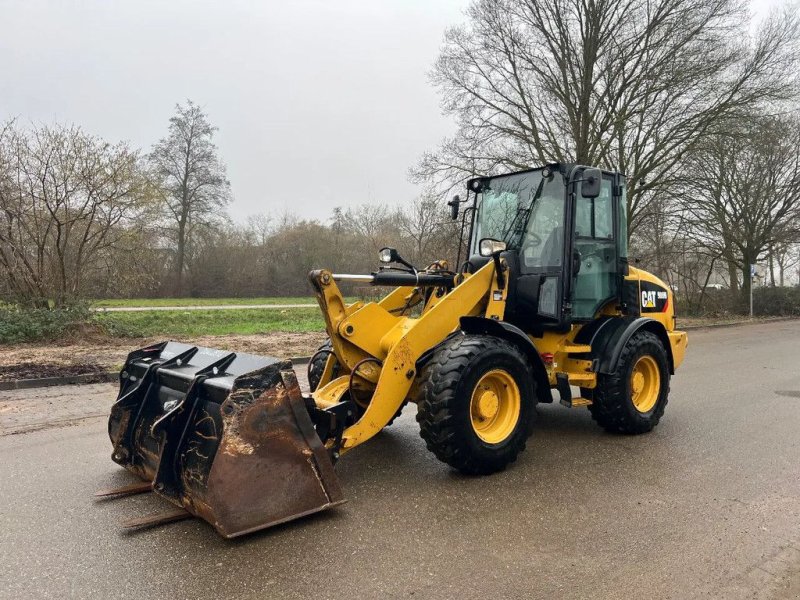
(787, 257)
(428, 231)
(67, 200)
(743, 191)
(632, 85)
(195, 187)
(376, 223)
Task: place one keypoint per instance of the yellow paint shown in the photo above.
(495, 406)
(397, 341)
(645, 383)
(579, 372)
(332, 392)
(496, 305)
(678, 339)
(666, 318)
(334, 311)
(360, 327)
(561, 345)
(398, 298)
(580, 402)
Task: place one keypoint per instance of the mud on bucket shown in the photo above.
(225, 436)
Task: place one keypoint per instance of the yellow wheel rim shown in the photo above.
(645, 384)
(495, 406)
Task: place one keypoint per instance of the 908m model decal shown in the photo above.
(654, 298)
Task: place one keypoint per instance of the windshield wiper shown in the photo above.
(517, 227)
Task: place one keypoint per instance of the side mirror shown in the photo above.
(453, 204)
(490, 247)
(590, 184)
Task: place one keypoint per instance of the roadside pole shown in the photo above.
(752, 278)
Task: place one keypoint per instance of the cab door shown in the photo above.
(542, 258)
(594, 247)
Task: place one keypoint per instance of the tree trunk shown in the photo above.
(180, 259)
(733, 275)
(771, 266)
(747, 280)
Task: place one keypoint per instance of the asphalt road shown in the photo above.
(706, 506)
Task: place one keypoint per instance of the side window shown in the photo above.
(543, 243)
(594, 217)
(595, 281)
(623, 224)
(603, 215)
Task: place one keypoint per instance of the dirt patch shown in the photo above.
(29, 370)
(96, 354)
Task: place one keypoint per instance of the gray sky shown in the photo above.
(318, 103)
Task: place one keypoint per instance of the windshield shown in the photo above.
(503, 207)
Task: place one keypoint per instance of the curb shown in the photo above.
(24, 384)
(735, 323)
(102, 377)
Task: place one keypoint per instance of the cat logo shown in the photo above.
(649, 299)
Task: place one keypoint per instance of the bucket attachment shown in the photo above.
(225, 436)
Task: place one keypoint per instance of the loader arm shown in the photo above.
(388, 345)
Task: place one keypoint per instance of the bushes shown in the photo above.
(767, 302)
(22, 324)
(776, 301)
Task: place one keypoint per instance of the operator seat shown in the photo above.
(552, 252)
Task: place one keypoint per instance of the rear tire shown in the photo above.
(476, 402)
(632, 400)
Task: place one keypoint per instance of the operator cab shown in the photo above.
(564, 228)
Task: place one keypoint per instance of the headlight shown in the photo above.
(387, 255)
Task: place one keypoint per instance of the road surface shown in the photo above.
(706, 506)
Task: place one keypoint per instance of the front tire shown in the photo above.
(476, 403)
(316, 367)
(633, 399)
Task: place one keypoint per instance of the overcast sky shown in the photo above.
(319, 103)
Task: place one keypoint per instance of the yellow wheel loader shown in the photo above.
(545, 299)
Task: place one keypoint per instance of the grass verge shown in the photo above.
(210, 322)
(137, 302)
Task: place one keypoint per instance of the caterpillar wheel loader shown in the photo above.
(545, 300)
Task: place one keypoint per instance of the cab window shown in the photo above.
(596, 281)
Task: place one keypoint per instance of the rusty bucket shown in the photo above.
(224, 436)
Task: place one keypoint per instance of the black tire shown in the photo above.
(317, 367)
(612, 405)
(447, 382)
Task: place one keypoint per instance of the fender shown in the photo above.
(607, 336)
(513, 334)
